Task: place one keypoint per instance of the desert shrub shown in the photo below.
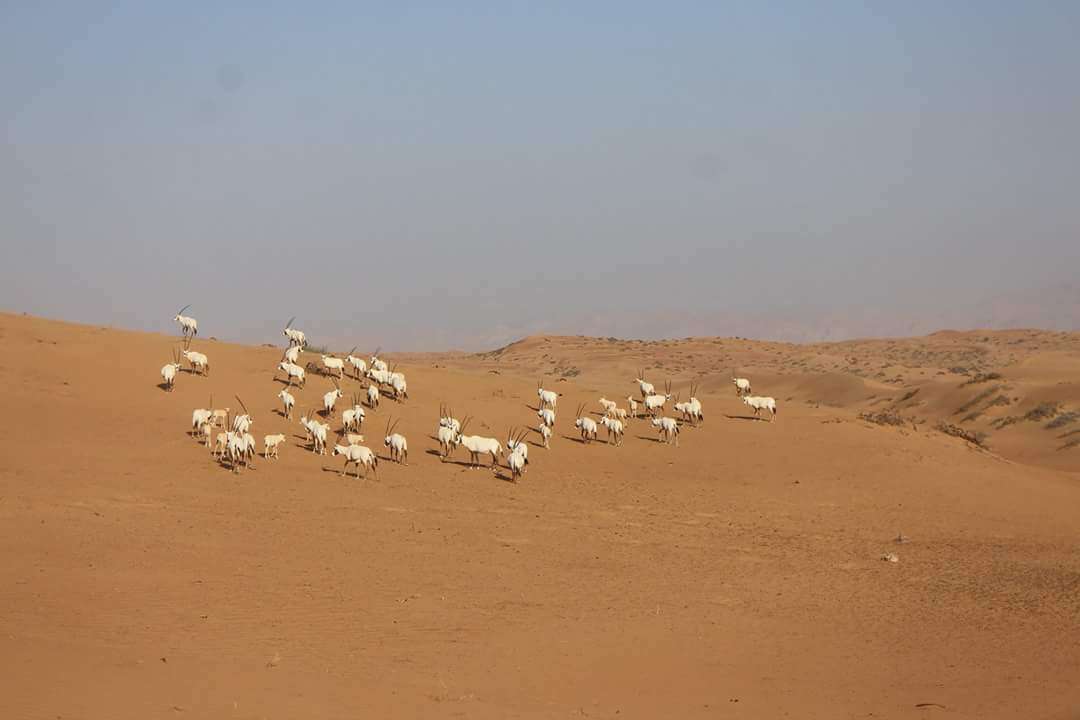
(908, 395)
(1063, 419)
(1043, 411)
(975, 438)
(982, 378)
(885, 417)
(977, 399)
(1004, 422)
(999, 401)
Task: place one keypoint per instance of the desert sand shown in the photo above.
(736, 576)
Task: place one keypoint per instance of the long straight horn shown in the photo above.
(393, 427)
(183, 308)
(242, 404)
(289, 324)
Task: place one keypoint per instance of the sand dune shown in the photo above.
(738, 575)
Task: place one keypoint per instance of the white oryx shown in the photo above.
(352, 418)
(357, 455)
(292, 354)
(168, 372)
(399, 446)
(221, 444)
(375, 362)
(614, 430)
(447, 432)
(547, 416)
(608, 405)
(316, 432)
(291, 371)
(669, 429)
(210, 416)
(199, 362)
(518, 459)
(545, 435)
(296, 337)
(189, 326)
(241, 447)
(694, 407)
(515, 444)
(333, 364)
(447, 419)
(760, 403)
(398, 384)
(653, 403)
(271, 443)
(200, 417)
(548, 398)
(330, 399)
(645, 387)
(382, 377)
(683, 408)
(207, 431)
(373, 396)
(287, 401)
(357, 364)
(242, 423)
(219, 417)
(447, 441)
(477, 446)
(742, 386)
(632, 403)
(586, 424)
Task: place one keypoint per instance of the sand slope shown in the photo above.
(735, 576)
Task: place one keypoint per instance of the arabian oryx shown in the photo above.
(399, 446)
(189, 326)
(296, 337)
(168, 372)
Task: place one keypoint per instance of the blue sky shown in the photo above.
(433, 175)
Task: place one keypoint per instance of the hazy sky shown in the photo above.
(435, 175)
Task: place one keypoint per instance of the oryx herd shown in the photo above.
(230, 442)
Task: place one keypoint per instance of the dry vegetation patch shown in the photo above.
(885, 417)
(975, 438)
(982, 378)
(1065, 418)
